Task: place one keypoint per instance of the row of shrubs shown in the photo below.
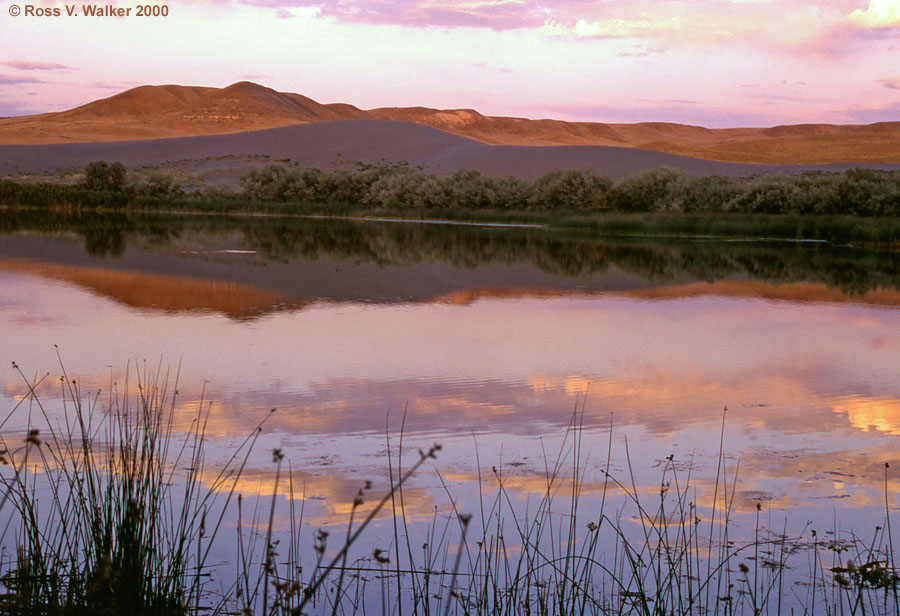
(858, 192)
(104, 185)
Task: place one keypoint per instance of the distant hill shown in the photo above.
(154, 112)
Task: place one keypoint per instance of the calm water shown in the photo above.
(486, 340)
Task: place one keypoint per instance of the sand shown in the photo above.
(345, 143)
(156, 112)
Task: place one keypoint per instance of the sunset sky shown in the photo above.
(714, 63)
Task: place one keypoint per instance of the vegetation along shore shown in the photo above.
(858, 205)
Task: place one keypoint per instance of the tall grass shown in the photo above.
(114, 508)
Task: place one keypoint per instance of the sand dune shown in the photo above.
(240, 301)
(154, 112)
(801, 292)
(165, 293)
(344, 143)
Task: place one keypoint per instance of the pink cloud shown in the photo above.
(14, 108)
(26, 65)
(6, 80)
(687, 112)
(869, 115)
(492, 14)
(116, 85)
(833, 28)
(790, 25)
(846, 41)
(891, 84)
(489, 67)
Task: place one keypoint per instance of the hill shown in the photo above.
(344, 143)
(156, 112)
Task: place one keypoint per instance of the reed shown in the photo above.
(114, 508)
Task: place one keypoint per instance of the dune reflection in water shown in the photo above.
(806, 379)
(807, 372)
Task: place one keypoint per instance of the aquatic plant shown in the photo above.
(114, 508)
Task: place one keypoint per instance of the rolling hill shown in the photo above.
(345, 143)
(158, 112)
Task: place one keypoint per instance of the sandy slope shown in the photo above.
(153, 112)
(346, 142)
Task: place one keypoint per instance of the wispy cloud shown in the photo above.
(847, 39)
(7, 80)
(642, 51)
(891, 84)
(489, 67)
(493, 14)
(774, 24)
(14, 108)
(670, 101)
(868, 115)
(113, 85)
(26, 65)
(660, 111)
(782, 25)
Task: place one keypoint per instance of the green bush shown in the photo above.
(856, 192)
(652, 190)
(570, 190)
(158, 184)
(100, 175)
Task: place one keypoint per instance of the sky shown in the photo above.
(715, 63)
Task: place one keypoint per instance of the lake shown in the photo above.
(756, 378)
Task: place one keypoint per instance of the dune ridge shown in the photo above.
(346, 143)
(157, 112)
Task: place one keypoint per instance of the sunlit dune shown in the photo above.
(166, 293)
(468, 296)
(239, 301)
(793, 292)
(154, 112)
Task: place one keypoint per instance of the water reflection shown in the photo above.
(486, 340)
(262, 252)
(504, 369)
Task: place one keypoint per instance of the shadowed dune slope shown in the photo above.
(347, 142)
(242, 300)
(153, 112)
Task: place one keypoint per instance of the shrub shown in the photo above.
(100, 175)
(660, 190)
(570, 190)
(160, 184)
(268, 183)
